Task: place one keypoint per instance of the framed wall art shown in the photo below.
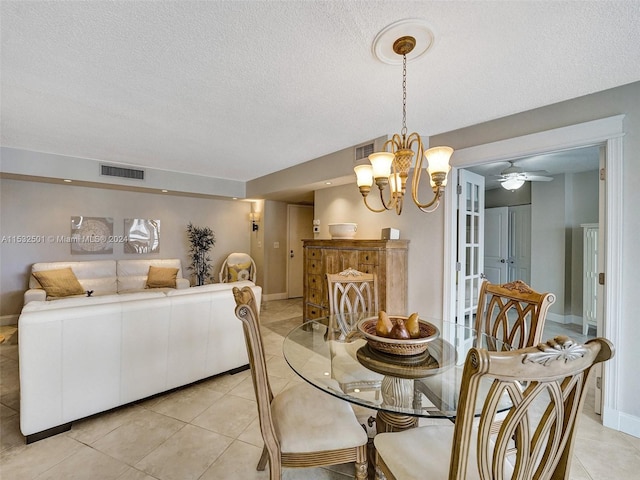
(91, 235)
(141, 235)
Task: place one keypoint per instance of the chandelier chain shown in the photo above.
(404, 95)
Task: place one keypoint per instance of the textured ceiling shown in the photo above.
(240, 89)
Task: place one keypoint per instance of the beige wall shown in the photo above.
(275, 250)
(29, 208)
(423, 230)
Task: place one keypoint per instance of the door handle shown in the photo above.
(502, 260)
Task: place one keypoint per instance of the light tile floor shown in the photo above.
(209, 431)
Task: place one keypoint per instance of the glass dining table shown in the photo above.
(330, 354)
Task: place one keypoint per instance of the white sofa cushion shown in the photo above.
(97, 275)
(132, 274)
(212, 287)
(84, 301)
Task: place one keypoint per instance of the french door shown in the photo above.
(470, 246)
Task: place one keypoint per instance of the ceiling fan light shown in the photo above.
(512, 184)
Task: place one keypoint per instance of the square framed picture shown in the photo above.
(142, 235)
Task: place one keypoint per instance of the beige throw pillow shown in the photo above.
(162, 277)
(59, 283)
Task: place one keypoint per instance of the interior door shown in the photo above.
(496, 244)
(519, 260)
(470, 255)
(300, 228)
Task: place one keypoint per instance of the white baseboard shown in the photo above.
(556, 317)
(274, 296)
(8, 320)
(621, 421)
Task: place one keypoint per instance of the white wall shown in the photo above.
(548, 242)
(30, 208)
(585, 210)
(423, 230)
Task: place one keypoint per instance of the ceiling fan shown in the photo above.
(513, 177)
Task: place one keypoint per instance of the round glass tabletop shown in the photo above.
(331, 355)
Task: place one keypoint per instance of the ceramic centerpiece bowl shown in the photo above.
(412, 346)
(343, 230)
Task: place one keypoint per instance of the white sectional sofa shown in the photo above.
(83, 355)
(106, 277)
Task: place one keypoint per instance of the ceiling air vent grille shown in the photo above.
(363, 152)
(122, 172)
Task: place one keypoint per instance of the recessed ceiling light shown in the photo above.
(164, 191)
(327, 183)
(67, 180)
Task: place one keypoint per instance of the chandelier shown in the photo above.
(391, 166)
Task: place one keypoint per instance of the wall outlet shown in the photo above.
(276, 244)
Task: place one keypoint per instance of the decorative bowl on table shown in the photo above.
(343, 230)
(398, 346)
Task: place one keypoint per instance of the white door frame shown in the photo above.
(608, 132)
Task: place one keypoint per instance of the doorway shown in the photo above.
(507, 244)
(300, 225)
(608, 133)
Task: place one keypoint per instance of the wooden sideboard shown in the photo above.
(387, 258)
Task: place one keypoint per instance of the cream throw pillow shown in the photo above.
(59, 283)
(162, 277)
(238, 271)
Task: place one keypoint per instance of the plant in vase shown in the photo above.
(201, 240)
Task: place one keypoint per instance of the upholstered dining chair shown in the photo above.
(238, 266)
(301, 426)
(513, 313)
(535, 440)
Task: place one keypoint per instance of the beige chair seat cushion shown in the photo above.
(424, 452)
(307, 420)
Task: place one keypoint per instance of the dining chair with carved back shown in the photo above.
(536, 437)
(352, 291)
(513, 313)
(300, 427)
(351, 294)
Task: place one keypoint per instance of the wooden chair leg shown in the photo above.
(262, 463)
(361, 470)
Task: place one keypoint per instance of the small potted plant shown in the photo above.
(201, 240)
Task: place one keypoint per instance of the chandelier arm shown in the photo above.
(435, 207)
(417, 173)
(374, 210)
(392, 201)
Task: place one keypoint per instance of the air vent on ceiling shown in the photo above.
(363, 152)
(122, 172)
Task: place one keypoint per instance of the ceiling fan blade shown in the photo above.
(536, 178)
(536, 172)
